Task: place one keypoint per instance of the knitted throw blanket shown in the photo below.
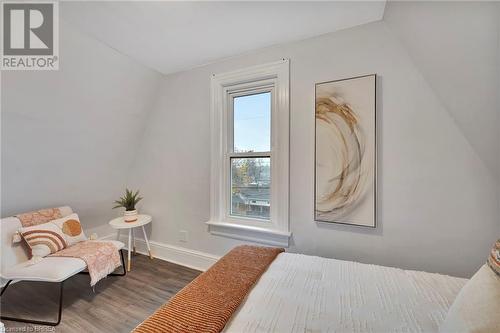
(208, 302)
(102, 258)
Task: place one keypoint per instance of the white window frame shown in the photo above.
(273, 77)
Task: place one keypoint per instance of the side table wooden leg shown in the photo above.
(147, 242)
(133, 241)
(129, 247)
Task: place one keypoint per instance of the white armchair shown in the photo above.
(16, 267)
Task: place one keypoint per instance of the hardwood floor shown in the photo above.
(119, 304)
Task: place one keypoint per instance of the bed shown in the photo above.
(256, 289)
(300, 293)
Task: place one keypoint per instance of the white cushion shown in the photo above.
(51, 269)
(12, 254)
(476, 308)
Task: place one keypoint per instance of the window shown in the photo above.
(249, 180)
(251, 174)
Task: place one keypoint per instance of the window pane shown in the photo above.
(250, 187)
(252, 123)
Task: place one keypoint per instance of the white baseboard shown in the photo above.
(175, 254)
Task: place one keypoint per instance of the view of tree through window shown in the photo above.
(251, 176)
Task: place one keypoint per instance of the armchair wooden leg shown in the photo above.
(38, 322)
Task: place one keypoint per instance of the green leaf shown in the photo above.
(129, 200)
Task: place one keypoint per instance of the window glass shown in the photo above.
(250, 187)
(252, 123)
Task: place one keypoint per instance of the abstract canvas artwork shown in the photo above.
(345, 151)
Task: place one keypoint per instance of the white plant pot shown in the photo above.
(130, 216)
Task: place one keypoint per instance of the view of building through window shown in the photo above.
(250, 187)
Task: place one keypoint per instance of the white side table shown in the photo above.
(119, 224)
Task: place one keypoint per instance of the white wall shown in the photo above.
(457, 52)
(498, 110)
(437, 201)
(69, 136)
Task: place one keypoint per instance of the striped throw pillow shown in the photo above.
(494, 258)
(43, 239)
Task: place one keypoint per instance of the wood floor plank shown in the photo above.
(118, 304)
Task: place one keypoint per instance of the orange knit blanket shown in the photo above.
(207, 303)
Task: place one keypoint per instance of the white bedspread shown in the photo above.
(300, 293)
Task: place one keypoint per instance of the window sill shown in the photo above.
(250, 233)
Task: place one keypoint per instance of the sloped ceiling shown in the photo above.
(458, 55)
(173, 36)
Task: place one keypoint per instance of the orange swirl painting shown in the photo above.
(345, 149)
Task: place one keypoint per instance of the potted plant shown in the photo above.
(128, 201)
